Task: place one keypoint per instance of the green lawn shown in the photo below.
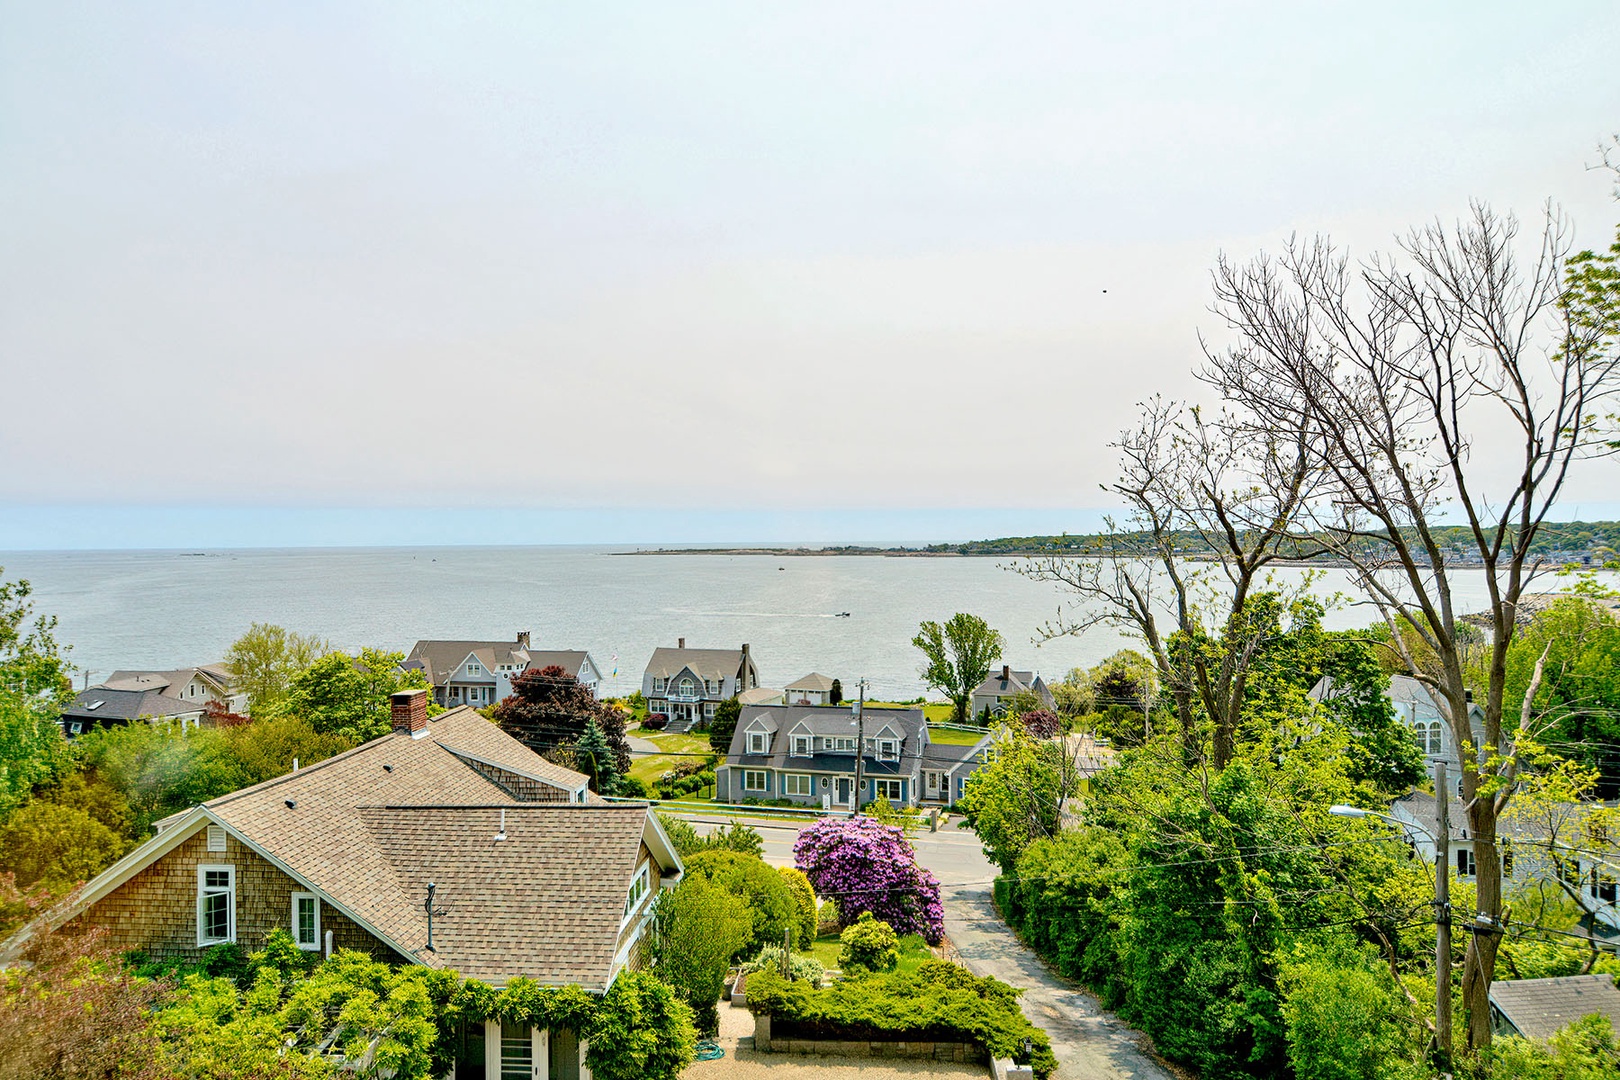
(935, 712)
(913, 951)
(649, 768)
(954, 738)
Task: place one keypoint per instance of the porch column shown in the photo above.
(492, 1050)
(584, 1069)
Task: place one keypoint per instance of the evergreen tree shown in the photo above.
(548, 708)
(595, 758)
(724, 724)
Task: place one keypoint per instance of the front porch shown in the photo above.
(495, 1051)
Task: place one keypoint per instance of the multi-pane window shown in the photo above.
(798, 784)
(638, 890)
(888, 789)
(306, 920)
(888, 750)
(517, 1053)
(759, 742)
(216, 904)
(1465, 862)
(753, 780)
(847, 745)
(801, 746)
(933, 782)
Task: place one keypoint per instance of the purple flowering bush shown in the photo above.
(867, 866)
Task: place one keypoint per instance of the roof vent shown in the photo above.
(388, 768)
(502, 834)
(292, 804)
(216, 838)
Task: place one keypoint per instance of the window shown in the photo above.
(801, 746)
(1436, 741)
(1507, 857)
(216, 838)
(78, 726)
(306, 920)
(639, 887)
(888, 789)
(216, 904)
(798, 784)
(1604, 887)
(708, 709)
(759, 742)
(753, 780)
(933, 783)
(846, 745)
(1465, 862)
(888, 750)
(517, 1053)
(659, 685)
(688, 688)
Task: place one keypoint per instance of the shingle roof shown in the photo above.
(705, 663)
(1539, 1007)
(545, 903)
(1015, 682)
(101, 704)
(218, 674)
(813, 681)
(787, 720)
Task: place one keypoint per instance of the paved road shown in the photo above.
(1089, 1043)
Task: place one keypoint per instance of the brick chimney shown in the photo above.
(680, 643)
(1006, 672)
(523, 639)
(742, 676)
(408, 709)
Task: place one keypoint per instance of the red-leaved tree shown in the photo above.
(548, 708)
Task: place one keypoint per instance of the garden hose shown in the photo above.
(708, 1050)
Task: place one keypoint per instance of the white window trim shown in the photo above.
(764, 742)
(791, 780)
(882, 787)
(315, 945)
(203, 870)
(640, 888)
(764, 784)
(807, 742)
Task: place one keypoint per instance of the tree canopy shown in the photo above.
(958, 656)
(548, 710)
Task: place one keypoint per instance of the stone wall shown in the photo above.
(156, 910)
(765, 1040)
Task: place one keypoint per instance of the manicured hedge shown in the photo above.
(938, 1002)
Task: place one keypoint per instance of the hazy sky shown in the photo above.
(591, 271)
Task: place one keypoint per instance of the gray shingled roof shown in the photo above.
(1539, 1007)
(704, 663)
(788, 720)
(813, 681)
(101, 704)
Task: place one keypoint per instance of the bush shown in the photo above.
(868, 866)
(938, 1002)
(802, 968)
(655, 722)
(642, 1032)
(770, 903)
(869, 945)
(697, 928)
(805, 897)
(630, 787)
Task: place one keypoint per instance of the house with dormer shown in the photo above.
(200, 686)
(807, 754)
(1416, 708)
(992, 696)
(529, 874)
(480, 673)
(686, 685)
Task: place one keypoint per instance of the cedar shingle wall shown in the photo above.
(654, 876)
(156, 910)
(520, 787)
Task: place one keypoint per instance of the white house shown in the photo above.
(480, 673)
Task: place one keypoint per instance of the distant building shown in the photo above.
(1416, 707)
(814, 689)
(1001, 686)
(480, 673)
(686, 684)
(100, 706)
(1538, 1008)
(762, 695)
(806, 754)
(202, 685)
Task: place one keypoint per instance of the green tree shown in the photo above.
(596, 759)
(548, 709)
(642, 1031)
(34, 687)
(1074, 695)
(265, 660)
(1346, 1018)
(805, 897)
(1018, 796)
(697, 928)
(770, 902)
(959, 654)
(723, 724)
(348, 695)
(57, 846)
(868, 944)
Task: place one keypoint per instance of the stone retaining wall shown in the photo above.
(878, 1048)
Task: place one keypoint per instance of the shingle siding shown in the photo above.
(156, 910)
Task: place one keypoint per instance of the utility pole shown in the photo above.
(1442, 916)
(860, 745)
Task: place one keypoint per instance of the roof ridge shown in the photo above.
(506, 806)
(301, 771)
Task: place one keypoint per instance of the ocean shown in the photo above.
(163, 609)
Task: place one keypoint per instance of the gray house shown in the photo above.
(686, 684)
(806, 754)
(994, 693)
(1537, 1008)
(480, 673)
(1416, 707)
(100, 706)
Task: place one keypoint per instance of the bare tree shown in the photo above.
(1211, 508)
(1396, 373)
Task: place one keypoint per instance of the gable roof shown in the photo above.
(362, 828)
(101, 704)
(1539, 1007)
(814, 681)
(217, 675)
(824, 721)
(704, 663)
(1015, 682)
(438, 659)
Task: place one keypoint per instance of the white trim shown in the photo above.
(314, 944)
(204, 892)
(795, 777)
(216, 838)
(765, 773)
(633, 903)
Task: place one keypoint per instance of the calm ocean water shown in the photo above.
(139, 609)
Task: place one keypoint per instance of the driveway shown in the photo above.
(1089, 1043)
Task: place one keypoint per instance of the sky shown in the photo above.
(476, 273)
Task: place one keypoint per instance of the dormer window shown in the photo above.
(801, 746)
(888, 750)
(759, 742)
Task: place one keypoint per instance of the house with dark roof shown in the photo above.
(480, 673)
(100, 706)
(1538, 1008)
(686, 684)
(999, 687)
(204, 684)
(806, 754)
(533, 876)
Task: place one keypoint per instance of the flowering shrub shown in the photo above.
(655, 722)
(867, 866)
